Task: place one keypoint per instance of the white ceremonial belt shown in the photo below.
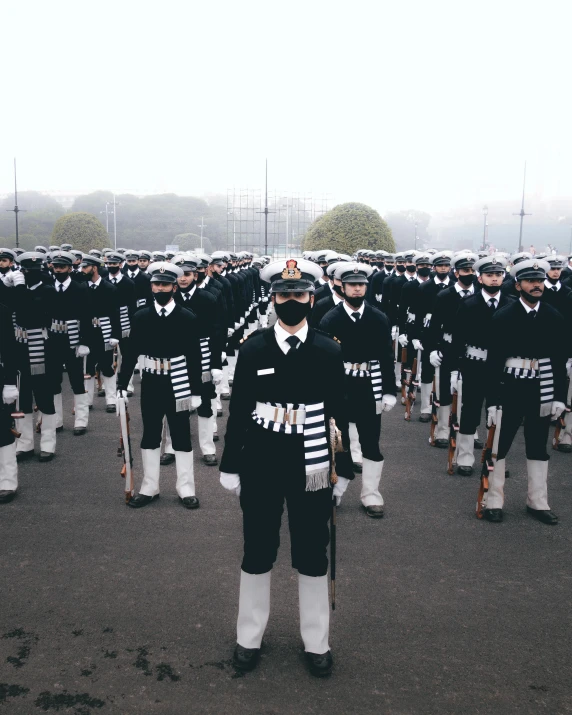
(356, 365)
(447, 337)
(410, 317)
(162, 365)
(476, 353)
(279, 414)
(522, 363)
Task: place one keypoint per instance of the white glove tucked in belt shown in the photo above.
(403, 341)
(394, 332)
(556, 409)
(436, 358)
(217, 376)
(492, 416)
(113, 342)
(339, 489)
(388, 402)
(454, 381)
(81, 351)
(195, 401)
(9, 394)
(231, 482)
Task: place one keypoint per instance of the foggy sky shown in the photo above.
(398, 105)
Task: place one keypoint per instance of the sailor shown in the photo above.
(508, 287)
(365, 338)
(69, 328)
(391, 309)
(126, 294)
(7, 259)
(556, 293)
(374, 294)
(527, 379)
(335, 296)
(8, 384)
(144, 260)
(105, 332)
(33, 347)
(471, 330)
(282, 388)
(166, 335)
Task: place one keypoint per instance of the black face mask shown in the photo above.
(410, 269)
(379, 264)
(491, 290)
(530, 297)
(61, 277)
(423, 272)
(338, 290)
(467, 280)
(163, 298)
(324, 271)
(200, 278)
(32, 277)
(5, 270)
(188, 288)
(400, 269)
(356, 301)
(292, 312)
(113, 270)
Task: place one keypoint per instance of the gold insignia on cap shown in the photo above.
(162, 269)
(291, 272)
(535, 266)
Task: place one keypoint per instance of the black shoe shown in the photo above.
(210, 460)
(190, 502)
(245, 659)
(101, 393)
(129, 393)
(230, 381)
(566, 448)
(478, 444)
(465, 471)
(215, 438)
(140, 500)
(136, 371)
(110, 408)
(21, 456)
(375, 511)
(219, 413)
(6, 495)
(91, 407)
(225, 396)
(60, 429)
(544, 515)
(78, 431)
(493, 515)
(357, 467)
(425, 417)
(167, 458)
(320, 665)
(46, 456)
(442, 443)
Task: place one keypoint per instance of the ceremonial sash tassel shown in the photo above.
(316, 453)
(205, 359)
(176, 368)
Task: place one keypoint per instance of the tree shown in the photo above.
(348, 227)
(36, 222)
(192, 242)
(402, 224)
(84, 231)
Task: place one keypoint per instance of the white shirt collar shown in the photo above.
(283, 335)
(64, 286)
(170, 307)
(117, 277)
(442, 283)
(350, 311)
(189, 293)
(488, 296)
(528, 308)
(460, 287)
(336, 298)
(323, 280)
(551, 286)
(410, 276)
(97, 282)
(205, 282)
(132, 273)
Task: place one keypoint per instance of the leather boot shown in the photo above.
(465, 454)
(315, 622)
(206, 442)
(110, 387)
(186, 479)
(59, 412)
(253, 613)
(8, 472)
(151, 467)
(370, 495)
(355, 447)
(495, 495)
(425, 409)
(25, 443)
(48, 438)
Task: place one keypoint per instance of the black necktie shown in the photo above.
(293, 342)
(133, 275)
(465, 293)
(163, 312)
(93, 285)
(555, 289)
(114, 281)
(356, 316)
(492, 303)
(61, 287)
(532, 315)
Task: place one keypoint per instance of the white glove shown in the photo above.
(122, 395)
(388, 402)
(236, 326)
(241, 321)
(217, 376)
(403, 340)
(230, 482)
(8, 279)
(417, 344)
(113, 342)
(436, 358)
(9, 394)
(569, 367)
(223, 357)
(195, 401)
(230, 332)
(81, 351)
(454, 381)
(394, 332)
(339, 489)
(427, 320)
(556, 409)
(491, 416)
(378, 297)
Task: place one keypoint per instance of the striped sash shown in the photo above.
(374, 373)
(71, 327)
(105, 324)
(35, 339)
(124, 320)
(205, 359)
(539, 369)
(176, 368)
(316, 454)
(141, 302)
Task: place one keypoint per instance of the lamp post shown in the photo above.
(522, 213)
(415, 235)
(201, 226)
(485, 226)
(16, 210)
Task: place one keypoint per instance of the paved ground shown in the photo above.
(107, 609)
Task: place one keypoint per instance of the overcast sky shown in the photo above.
(428, 105)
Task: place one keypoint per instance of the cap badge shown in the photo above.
(535, 266)
(34, 259)
(356, 270)
(494, 261)
(162, 269)
(291, 272)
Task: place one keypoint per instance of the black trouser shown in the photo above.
(208, 393)
(273, 471)
(521, 398)
(361, 410)
(445, 397)
(158, 401)
(39, 388)
(6, 436)
(427, 370)
(60, 356)
(474, 376)
(100, 358)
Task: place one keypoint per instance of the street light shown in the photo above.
(485, 226)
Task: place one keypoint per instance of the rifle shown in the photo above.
(16, 414)
(411, 389)
(435, 405)
(404, 372)
(488, 461)
(334, 445)
(454, 423)
(99, 383)
(125, 450)
(561, 423)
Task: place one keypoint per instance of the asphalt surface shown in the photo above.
(105, 609)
